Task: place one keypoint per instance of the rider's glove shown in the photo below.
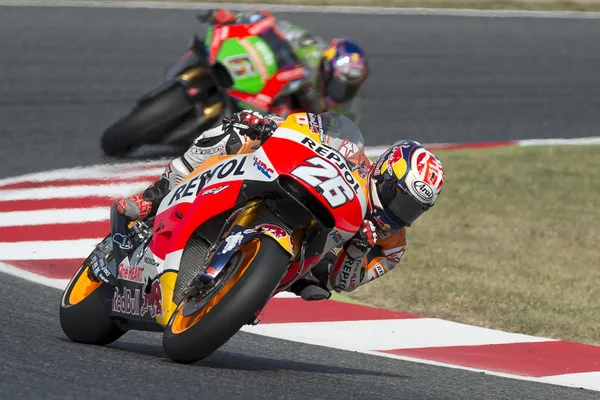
(251, 123)
(363, 241)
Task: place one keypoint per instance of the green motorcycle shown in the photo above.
(235, 67)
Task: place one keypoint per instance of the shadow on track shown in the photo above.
(222, 359)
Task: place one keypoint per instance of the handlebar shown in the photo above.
(262, 131)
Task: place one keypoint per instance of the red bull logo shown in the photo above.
(153, 301)
(395, 155)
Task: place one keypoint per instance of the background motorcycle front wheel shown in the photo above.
(148, 122)
(193, 337)
(82, 316)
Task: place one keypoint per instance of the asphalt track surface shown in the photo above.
(67, 73)
(38, 362)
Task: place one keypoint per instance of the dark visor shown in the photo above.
(401, 207)
(341, 91)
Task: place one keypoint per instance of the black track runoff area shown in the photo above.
(67, 73)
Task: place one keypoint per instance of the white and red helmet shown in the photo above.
(405, 182)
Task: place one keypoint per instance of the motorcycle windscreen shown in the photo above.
(342, 135)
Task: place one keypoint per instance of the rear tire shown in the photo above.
(148, 122)
(248, 295)
(86, 321)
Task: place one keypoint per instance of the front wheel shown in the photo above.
(82, 316)
(190, 337)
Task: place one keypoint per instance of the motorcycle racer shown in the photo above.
(403, 183)
(336, 71)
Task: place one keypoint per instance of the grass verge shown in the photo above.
(512, 244)
(534, 5)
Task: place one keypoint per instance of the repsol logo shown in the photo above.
(233, 167)
(334, 157)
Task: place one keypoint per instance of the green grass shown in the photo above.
(513, 243)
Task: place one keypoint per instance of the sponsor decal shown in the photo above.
(395, 155)
(362, 169)
(220, 149)
(233, 167)
(262, 167)
(422, 190)
(277, 231)
(100, 268)
(348, 272)
(211, 271)
(231, 242)
(291, 74)
(151, 261)
(123, 241)
(138, 302)
(336, 158)
(126, 303)
(378, 271)
(264, 98)
(314, 123)
(261, 26)
(385, 227)
(257, 61)
(265, 52)
(336, 236)
(395, 254)
(132, 273)
(348, 148)
(240, 66)
(153, 301)
(215, 190)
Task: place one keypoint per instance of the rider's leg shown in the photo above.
(315, 285)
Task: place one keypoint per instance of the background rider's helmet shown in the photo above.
(404, 182)
(342, 71)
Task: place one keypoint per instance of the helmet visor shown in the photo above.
(341, 91)
(398, 204)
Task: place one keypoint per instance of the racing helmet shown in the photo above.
(404, 182)
(342, 71)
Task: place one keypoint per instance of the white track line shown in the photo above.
(112, 190)
(594, 140)
(312, 9)
(587, 380)
(392, 334)
(60, 284)
(55, 216)
(48, 249)
(92, 172)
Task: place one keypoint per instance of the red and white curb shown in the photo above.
(50, 221)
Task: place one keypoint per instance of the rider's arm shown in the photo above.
(349, 273)
(215, 141)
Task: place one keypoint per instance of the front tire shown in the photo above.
(190, 339)
(82, 316)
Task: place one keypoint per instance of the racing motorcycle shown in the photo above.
(235, 67)
(234, 233)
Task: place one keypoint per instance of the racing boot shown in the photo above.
(315, 284)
